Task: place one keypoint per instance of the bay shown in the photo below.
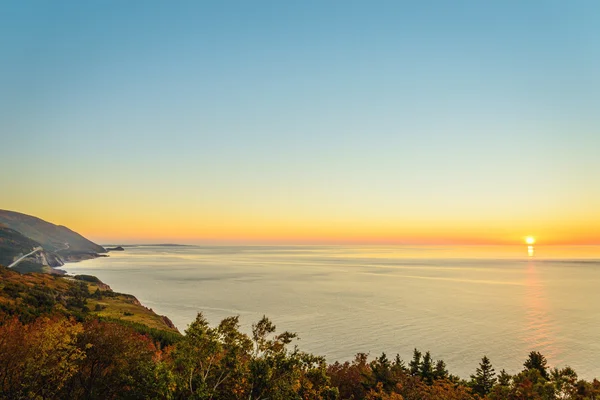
(459, 302)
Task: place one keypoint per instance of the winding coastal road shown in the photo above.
(25, 256)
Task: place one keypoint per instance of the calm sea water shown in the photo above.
(459, 302)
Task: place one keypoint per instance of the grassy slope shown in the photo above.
(30, 295)
(124, 307)
(27, 266)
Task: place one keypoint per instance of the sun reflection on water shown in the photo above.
(540, 327)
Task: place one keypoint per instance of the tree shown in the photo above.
(207, 356)
(504, 378)
(443, 389)
(350, 378)
(38, 360)
(565, 382)
(277, 373)
(378, 393)
(415, 363)
(118, 362)
(537, 361)
(440, 371)
(530, 384)
(232, 368)
(484, 378)
(382, 372)
(399, 365)
(426, 370)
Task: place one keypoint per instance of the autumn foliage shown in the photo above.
(60, 358)
(53, 347)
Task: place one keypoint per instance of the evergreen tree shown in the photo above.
(484, 378)
(537, 361)
(440, 371)
(504, 378)
(399, 364)
(426, 371)
(415, 364)
(383, 361)
(381, 368)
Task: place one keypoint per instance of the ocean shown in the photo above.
(459, 302)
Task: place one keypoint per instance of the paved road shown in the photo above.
(25, 256)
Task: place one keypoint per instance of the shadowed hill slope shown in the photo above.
(13, 244)
(52, 237)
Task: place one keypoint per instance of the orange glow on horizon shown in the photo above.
(195, 226)
(290, 235)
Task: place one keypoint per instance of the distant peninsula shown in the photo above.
(40, 246)
(117, 248)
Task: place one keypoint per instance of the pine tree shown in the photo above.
(427, 368)
(415, 364)
(484, 378)
(440, 371)
(504, 378)
(382, 372)
(398, 364)
(537, 361)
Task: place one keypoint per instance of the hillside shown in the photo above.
(14, 245)
(55, 238)
(29, 296)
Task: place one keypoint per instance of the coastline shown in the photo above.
(96, 283)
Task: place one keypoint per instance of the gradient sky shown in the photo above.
(303, 122)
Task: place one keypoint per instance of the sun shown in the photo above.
(530, 240)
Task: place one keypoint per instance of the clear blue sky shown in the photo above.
(372, 117)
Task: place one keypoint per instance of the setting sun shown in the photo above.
(530, 240)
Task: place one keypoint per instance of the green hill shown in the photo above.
(28, 296)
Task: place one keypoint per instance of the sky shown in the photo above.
(303, 122)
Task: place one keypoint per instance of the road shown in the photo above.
(64, 248)
(25, 256)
